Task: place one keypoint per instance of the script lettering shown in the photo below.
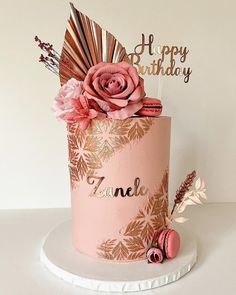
(137, 190)
(90, 181)
(166, 62)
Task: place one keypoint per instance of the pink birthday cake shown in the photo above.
(119, 148)
(119, 181)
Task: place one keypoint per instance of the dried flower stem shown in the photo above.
(52, 60)
(184, 187)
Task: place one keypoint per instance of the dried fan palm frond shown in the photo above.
(85, 45)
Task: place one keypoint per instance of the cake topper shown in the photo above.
(166, 60)
(98, 80)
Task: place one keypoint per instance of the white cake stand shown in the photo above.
(60, 257)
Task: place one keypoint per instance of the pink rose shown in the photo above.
(116, 88)
(154, 255)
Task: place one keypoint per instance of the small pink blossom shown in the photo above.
(81, 113)
(154, 255)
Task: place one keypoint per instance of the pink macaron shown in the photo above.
(152, 107)
(169, 243)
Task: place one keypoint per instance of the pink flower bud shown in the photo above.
(154, 255)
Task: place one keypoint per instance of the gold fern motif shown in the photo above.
(89, 149)
(138, 234)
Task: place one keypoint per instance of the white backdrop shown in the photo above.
(33, 161)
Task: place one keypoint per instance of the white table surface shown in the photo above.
(22, 232)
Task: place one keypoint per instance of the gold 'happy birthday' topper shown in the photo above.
(165, 64)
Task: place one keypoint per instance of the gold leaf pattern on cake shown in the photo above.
(121, 127)
(140, 215)
(138, 234)
(157, 221)
(73, 174)
(80, 135)
(92, 144)
(120, 251)
(136, 132)
(146, 123)
(82, 166)
(107, 246)
(134, 228)
(147, 232)
(89, 149)
(93, 161)
(106, 151)
(119, 141)
(136, 255)
(72, 128)
(106, 255)
(134, 244)
(73, 157)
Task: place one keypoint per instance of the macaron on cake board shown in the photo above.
(169, 243)
(119, 150)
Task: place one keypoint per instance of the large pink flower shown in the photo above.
(117, 89)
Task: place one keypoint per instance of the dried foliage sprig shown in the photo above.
(52, 59)
(185, 197)
(194, 196)
(183, 189)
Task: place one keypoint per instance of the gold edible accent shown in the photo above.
(167, 61)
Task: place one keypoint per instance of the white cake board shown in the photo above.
(60, 257)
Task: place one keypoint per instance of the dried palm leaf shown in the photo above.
(85, 45)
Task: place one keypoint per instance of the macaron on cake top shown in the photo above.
(169, 243)
(152, 107)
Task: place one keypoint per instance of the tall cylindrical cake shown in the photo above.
(119, 184)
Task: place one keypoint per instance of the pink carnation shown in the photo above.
(73, 107)
(64, 100)
(116, 88)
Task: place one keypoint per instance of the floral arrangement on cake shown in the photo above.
(109, 90)
(97, 85)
